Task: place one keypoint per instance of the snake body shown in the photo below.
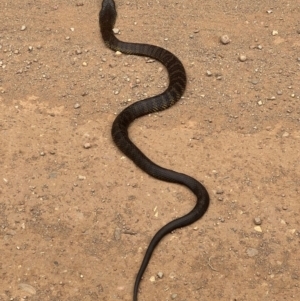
(174, 91)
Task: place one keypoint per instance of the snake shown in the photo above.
(119, 131)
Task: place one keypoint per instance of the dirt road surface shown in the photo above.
(76, 216)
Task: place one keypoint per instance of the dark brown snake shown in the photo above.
(177, 84)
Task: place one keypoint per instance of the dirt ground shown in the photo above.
(76, 216)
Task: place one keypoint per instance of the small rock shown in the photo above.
(259, 47)
(160, 274)
(251, 252)
(152, 279)
(27, 288)
(225, 39)
(274, 33)
(208, 73)
(87, 145)
(23, 27)
(116, 30)
(117, 234)
(78, 51)
(174, 296)
(81, 177)
(257, 229)
(84, 64)
(219, 191)
(257, 221)
(242, 58)
(118, 53)
(77, 106)
(285, 134)
(260, 103)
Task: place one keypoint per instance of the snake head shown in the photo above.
(107, 15)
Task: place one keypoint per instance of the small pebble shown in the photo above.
(77, 106)
(257, 229)
(274, 33)
(81, 177)
(118, 53)
(259, 47)
(30, 48)
(242, 58)
(160, 274)
(84, 64)
(225, 39)
(23, 27)
(279, 92)
(78, 51)
(208, 73)
(251, 252)
(285, 134)
(257, 221)
(260, 103)
(174, 296)
(87, 145)
(27, 288)
(152, 279)
(116, 30)
(117, 234)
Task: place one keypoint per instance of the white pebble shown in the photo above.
(242, 58)
(285, 134)
(160, 274)
(225, 39)
(152, 279)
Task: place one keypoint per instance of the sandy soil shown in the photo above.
(76, 216)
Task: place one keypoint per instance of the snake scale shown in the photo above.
(174, 91)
